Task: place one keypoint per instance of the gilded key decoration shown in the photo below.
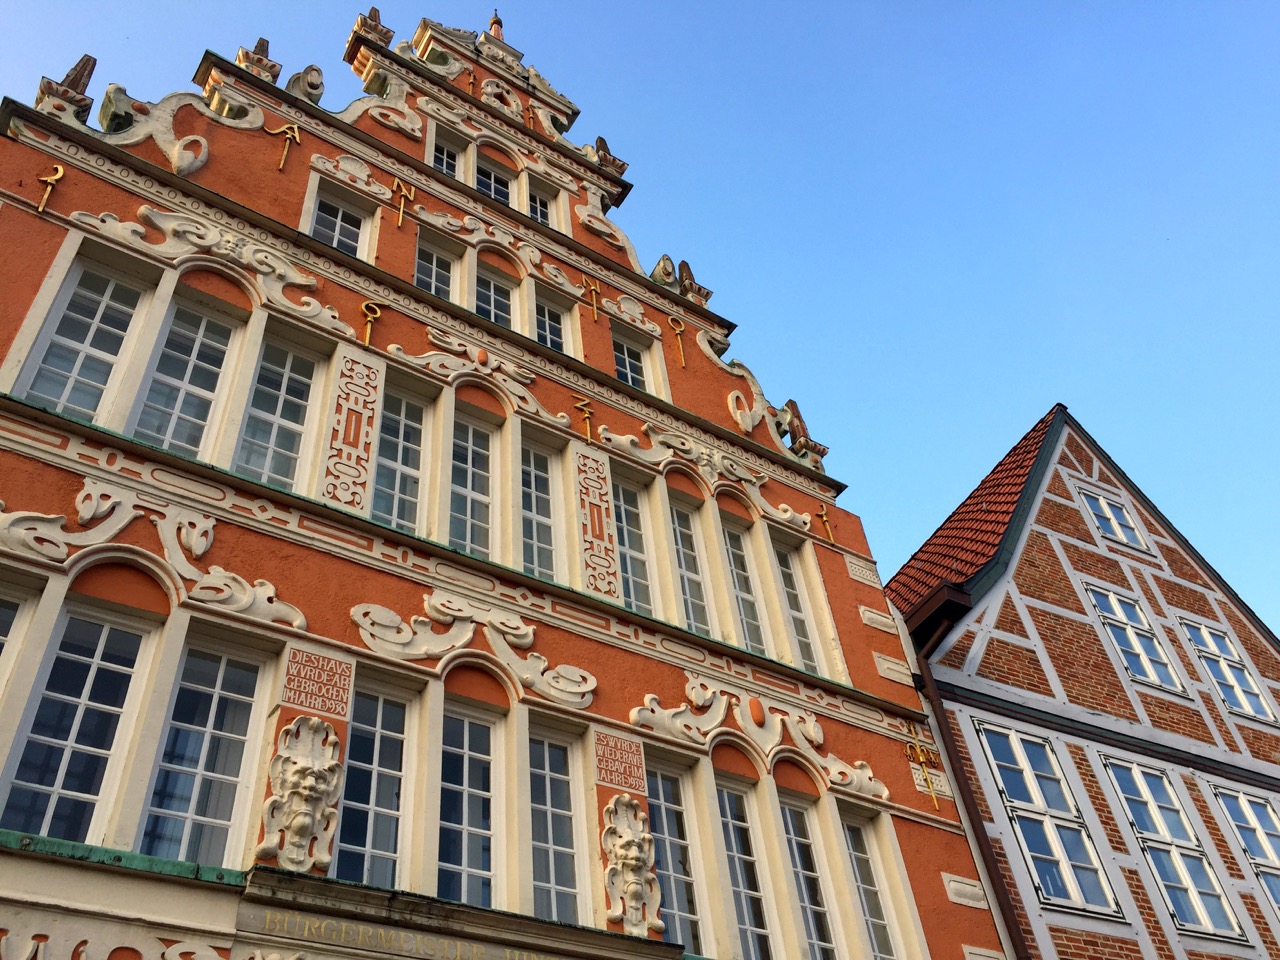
(50, 181)
(291, 134)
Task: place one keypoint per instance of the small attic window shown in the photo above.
(1113, 520)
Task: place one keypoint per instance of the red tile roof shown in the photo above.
(969, 538)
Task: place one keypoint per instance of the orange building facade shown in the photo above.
(389, 565)
(1111, 710)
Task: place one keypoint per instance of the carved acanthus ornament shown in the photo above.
(459, 360)
(629, 311)
(667, 446)
(634, 894)
(352, 172)
(183, 533)
(301, 814)
(768, 723)
(186, 236)
(421, 638)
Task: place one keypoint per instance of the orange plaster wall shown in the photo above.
(122, 584)
(730, 759)
(474, 683)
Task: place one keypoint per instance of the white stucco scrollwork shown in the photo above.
(591, 215)
(186, 235)
(389, 104)
(715, 465)
(386, 632)
(458, 359)
(353, 172)
(634, 894)
(184, 536)
(301, 814)
(770, 724)
(630, 312)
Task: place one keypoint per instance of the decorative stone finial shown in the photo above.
(56, 98)
(495, 25)
(258, 61)
(607, 159)
(690, 287)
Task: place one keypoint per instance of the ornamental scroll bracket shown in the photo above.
(634, 894)
(301, 815)
(186, 236)
(667, 446)
(105, 510)
(458, 360)
(766, 722)
(422, 638)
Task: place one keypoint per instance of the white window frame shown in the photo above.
(1257, 828)
(446, 152)
(1113, 520)
(496, 281)
(747, 937)
(106, 798)
(498, 839)
(797, 606)
(550, 521)
(321, 189)
(635, 559)
(1175, 845)
(468, 495)
(1235, 679)
(493, 171)
(429, 244)
(399, 857)
(635, 354)
(1142, 661)
(677, 919)
(302, 480)
(810, 880)
(689, 544)
(409, 482)
(1054, 822)
(246, 780)
(745, 588)
(876, 910)
(581, 866)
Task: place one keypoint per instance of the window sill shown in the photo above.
(124, 859)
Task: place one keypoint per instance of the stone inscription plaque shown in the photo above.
(374, 938)
(620, 762)
(317, 683)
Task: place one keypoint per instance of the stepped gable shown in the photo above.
(971, 536)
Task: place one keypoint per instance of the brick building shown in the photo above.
(1111, 710)
(390, 565)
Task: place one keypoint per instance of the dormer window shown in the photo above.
(494, 184)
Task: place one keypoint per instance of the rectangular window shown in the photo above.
(1233, 678)
(397, 480)
(696, 615)
(493, 184)
(369, 818)
(445, 159)
(1258, 828)
(466, 812)
(629, 364)
(338, 225)
(744, 876)
(8, 615)
(633, 567)
(537, 534)
(493, 301)
(434, 272)
(549, 326)
(469, 496)
(60, 762)
(271, 441)
(808, 880)
(869, 898)
(555, 885)
(1050, 829)
(81, 352)
(1113, 520)
(1190, 889)
(184, 383)
(797, 608)
(744, 594)
(197, 779)
(1129, 628)
(540, 208)
(673, 861)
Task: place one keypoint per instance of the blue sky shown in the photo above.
(930, 220)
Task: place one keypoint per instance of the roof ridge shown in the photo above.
(971, 534)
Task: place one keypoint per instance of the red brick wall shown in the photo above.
(1185, 598)
(1039, 574)
(1264, 746)
(965, 760)
(1211, 825)
(1088, 945)
(1083, 667)
(1176, 718)
(1264, 656)
(1058, 487)
(1010, 621)
(1021, 917)
(959, 652)
(1147, 911)
(1260, 923)
(1180, 566)
(1097, 799)
(1064, 519)
(1015, 666)
(1095, 565)
(1081, 455)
